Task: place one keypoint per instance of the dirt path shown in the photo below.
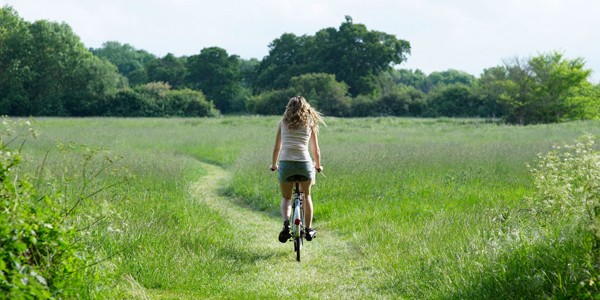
(330, 267)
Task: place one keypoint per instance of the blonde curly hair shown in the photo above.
(298, 113)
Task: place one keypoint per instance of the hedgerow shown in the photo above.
(42, 252)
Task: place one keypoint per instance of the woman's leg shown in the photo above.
(308, 207)
(286, 196)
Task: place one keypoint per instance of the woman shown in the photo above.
(297, 130)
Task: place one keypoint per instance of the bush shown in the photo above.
(189, 103)
(568, 195)
(156, 99)
(568, 183)
(396, 103)
(455, 100)
(270, 103)
(328, 96)
(42, 253)
(364, 106)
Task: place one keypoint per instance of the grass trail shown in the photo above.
(330, 267)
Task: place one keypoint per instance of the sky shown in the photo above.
(466, 35)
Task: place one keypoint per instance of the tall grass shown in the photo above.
(421, 199)
(418, 206)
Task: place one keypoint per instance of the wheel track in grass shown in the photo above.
(330, 267)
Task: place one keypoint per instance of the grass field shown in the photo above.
(407, 208)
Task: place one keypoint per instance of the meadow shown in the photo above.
(405, 208)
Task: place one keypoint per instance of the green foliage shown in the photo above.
(352, 53)
(326, 94)
(413, 78)
(493, 87)
(46, 71)
(544, 89)
(49, 71)
(456, 100)
(566, 207)
(217, 75)
(158, 100)
(448, 77)
(584, 103)
(169, 69)
(270, 103)
(42, 253)
(399, 101)
(402, 102)
(329, 96)
(189, 103)
(131, 62)
(568, 183)
(248, 71)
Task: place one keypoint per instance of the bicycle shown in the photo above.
(297, 224)
(297, 220)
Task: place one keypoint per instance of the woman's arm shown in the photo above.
(276, 149)
(314, 147)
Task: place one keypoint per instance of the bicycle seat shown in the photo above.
(295, 178)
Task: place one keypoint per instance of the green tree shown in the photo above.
(248, 70)
(14, 69)
(584, 103)
(352, 53)
(48, 71)
(556, 79)
(448, 77)
(217, 75)
(130, 61)
(455, 100)
(271, 102)
(545, 88)
(169, 69)
(93, 82)
(356, 55)
(518, 94)
(287, 58)
(328, 95)
(492, 87)
(401, 101)
(415, 78)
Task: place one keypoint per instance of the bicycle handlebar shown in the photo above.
(319, 169)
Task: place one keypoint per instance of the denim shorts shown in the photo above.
(290, 168)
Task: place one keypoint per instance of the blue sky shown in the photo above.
(467, 35)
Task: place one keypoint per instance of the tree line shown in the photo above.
(349, 71)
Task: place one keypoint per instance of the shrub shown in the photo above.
(270, 103)
(568, 196)
(455, 100)
(328, 95)
(42, 253)
(189, 103)
(568, 182)
(156, 99)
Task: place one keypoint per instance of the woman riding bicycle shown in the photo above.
(297, 130)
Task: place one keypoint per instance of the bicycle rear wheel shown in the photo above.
(298, 247)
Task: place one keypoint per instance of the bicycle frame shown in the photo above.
(297, 219)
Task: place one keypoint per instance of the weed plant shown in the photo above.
(44, 250)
